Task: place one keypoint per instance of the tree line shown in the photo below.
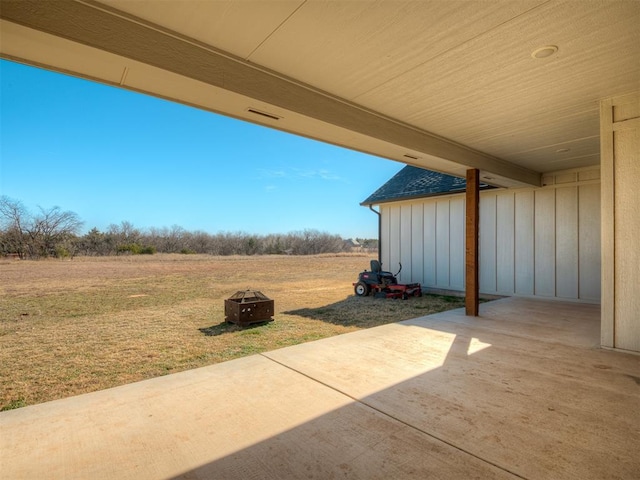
(55, 233)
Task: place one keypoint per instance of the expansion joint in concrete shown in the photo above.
(399, 420)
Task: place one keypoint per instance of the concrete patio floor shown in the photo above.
(523, 391)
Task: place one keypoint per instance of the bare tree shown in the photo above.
(124, 233)
(125, 236)
(167, 240)
(39, 235)
(13, 216)
(198, 242)
(50, 229)
(12, 213)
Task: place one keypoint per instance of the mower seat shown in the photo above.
(375, 266)
(386, 278)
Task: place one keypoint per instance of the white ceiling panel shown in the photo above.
(493, 72)
(350, 48)
(491, 83)
(236, 27)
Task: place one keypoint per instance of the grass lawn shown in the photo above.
(71, 327)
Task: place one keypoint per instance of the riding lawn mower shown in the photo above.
(384, 284)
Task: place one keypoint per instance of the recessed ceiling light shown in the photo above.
(544, 52)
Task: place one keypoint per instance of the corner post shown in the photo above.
(472, 287)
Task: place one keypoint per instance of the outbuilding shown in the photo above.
(541, 242)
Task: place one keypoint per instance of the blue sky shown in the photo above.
(111, 155)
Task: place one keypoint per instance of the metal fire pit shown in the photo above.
(246, 307)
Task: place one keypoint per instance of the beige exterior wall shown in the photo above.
(541, 242)
(620, 163)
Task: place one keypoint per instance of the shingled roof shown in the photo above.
(414, 182)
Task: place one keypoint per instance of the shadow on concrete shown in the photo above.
(459, 400)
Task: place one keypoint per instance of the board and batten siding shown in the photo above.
(620, 161)
(533, 242)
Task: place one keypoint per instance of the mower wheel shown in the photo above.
(361, 289)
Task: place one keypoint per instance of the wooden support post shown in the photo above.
(472, 288)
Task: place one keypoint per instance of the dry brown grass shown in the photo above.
(71, 327)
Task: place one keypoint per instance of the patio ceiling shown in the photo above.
(443, 85)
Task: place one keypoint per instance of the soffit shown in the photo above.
(461, 70)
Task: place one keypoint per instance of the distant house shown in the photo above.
(353, 245)
(542, 242)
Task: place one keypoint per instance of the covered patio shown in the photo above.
(511, 94)
(523, 391)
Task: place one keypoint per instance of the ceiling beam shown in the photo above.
(96, 25)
